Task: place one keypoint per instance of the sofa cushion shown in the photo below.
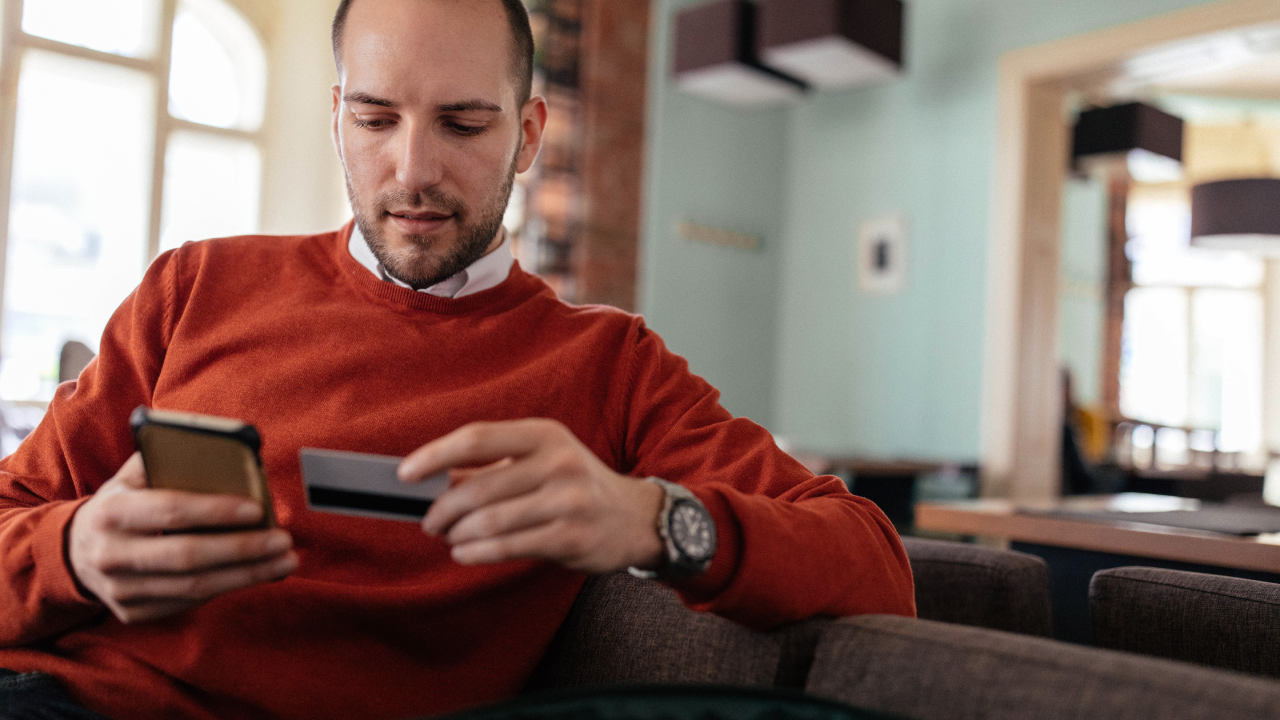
(624, 630)
(980, 586)
(936, 671)
(1209, 619)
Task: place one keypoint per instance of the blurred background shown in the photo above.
(898, 278)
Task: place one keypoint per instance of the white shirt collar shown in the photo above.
(487, 272)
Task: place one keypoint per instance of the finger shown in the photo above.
(131, 476)
(508, 516)
(131, 590)
(150, 511)
(483, 488)
(476, 444)
(457, 476)
(192, 553)
(148, 611)
(558, 541)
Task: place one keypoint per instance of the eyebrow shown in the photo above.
(471, 105)
(364, 98)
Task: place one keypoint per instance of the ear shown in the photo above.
(337, 116)
(533, 121)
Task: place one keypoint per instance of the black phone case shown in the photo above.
(194, 457)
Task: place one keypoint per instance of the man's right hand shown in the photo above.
(117, 552)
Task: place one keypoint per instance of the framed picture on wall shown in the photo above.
(881, 255)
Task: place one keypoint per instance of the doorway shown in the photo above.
(1038, 87)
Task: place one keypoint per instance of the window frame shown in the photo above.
(1190, 291)
(14, 43)
(1132, 197)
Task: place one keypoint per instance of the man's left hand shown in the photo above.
(536, 492)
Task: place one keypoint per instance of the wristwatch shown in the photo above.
(688, 534)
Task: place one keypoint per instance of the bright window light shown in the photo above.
(121, 27)
(79, 211)
(1192, 353)
(1160, 247)
(1226, 366)
(219, 71)
(1153, 364)
(211, 188)
(83, 170)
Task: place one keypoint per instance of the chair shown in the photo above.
(74, 357)
(938, 671)
(624, 630)
(1212, 620)
(980, 586)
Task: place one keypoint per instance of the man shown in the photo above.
(411, 327)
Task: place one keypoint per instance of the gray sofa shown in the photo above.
(936, 671)
(1212, 620)
(626, 631)
(623, 630)
(980, 586)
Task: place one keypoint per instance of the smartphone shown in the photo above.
(202, 453)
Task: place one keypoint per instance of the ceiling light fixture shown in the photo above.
(715, 57)
(1146, 138)
(1241, 215)
(832, 44)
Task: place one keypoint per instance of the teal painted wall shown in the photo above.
(784, 333)
(726, 168)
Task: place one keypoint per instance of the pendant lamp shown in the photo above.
(1146, 138)
(832, 44)
(1239, 215)
(715, 57)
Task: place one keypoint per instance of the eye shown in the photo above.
(465, 130)
(371, 124)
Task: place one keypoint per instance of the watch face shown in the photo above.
(692, 531)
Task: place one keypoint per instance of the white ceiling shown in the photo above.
(1257, 78)
(1244, 63)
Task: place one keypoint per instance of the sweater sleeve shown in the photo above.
(82, 441)
(791, 544)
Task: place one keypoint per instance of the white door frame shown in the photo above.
(1021, 413)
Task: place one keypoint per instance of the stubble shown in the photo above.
(425, 263)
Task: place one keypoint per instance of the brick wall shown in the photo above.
(585, 193)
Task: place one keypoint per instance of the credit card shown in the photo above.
(366, 485)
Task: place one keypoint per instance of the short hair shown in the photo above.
(521, 43)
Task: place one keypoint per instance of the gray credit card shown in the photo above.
(366, 485)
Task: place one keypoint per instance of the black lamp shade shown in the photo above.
(832, 44)
(1237, 215)
(1123, 128)
(715, 57)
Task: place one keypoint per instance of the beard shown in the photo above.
(424, 263)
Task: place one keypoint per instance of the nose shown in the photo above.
(420, 164)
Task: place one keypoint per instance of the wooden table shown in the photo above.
(1003, 519)
(1075, 549)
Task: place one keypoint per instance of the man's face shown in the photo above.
(426, 123)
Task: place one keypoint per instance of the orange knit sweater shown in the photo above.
(294, 336)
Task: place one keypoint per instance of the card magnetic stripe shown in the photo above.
(330, 498)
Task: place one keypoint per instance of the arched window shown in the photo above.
(134, 128)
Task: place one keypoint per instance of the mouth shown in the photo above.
(419, 222)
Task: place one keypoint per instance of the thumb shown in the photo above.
(132, 475)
